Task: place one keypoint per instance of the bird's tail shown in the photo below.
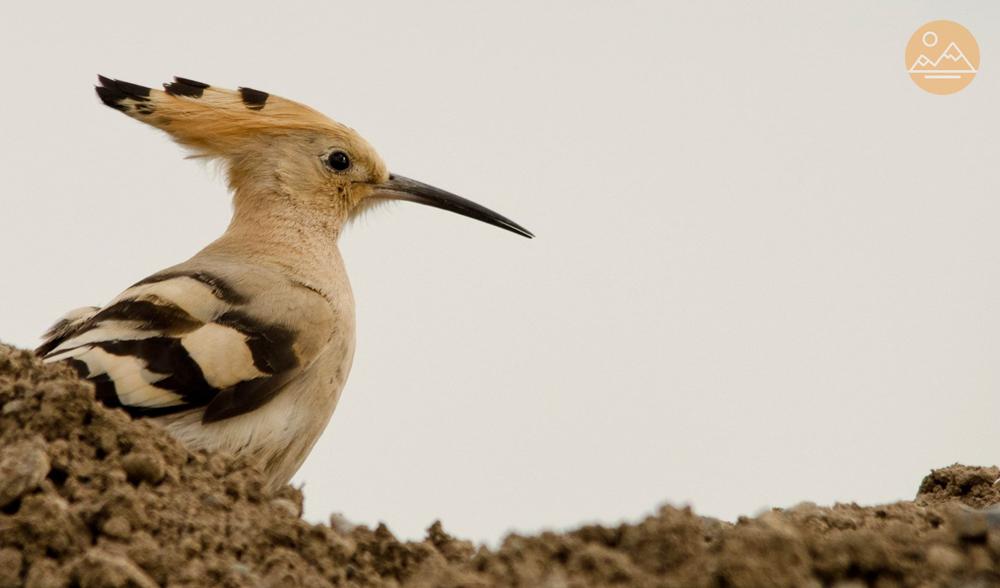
(64, 328)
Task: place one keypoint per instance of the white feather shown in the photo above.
(108, 331)
(222, 354)
(133, 382)
(70, 354)
(188, 294)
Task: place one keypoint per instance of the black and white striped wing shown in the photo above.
(177, 342)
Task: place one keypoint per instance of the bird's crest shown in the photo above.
(210, 120)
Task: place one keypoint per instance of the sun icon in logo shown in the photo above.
(947, 70)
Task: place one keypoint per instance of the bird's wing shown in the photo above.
(179, 341)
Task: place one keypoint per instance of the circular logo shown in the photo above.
(942, 57)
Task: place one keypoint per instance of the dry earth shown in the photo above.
(91, 498)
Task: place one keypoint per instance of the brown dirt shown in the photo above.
(91, 498)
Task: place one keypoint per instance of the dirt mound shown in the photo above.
(91, 498)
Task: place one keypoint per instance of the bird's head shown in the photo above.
(275, 148)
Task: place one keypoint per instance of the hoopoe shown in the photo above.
(246, 346)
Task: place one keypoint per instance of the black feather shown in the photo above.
(113, 92)
(221, 289)
(189, 82)
(254, 99)
(134, 90)
(111, 97)
(150, 315)
(244, 397)
(270, 345)
(183, 89)
(166, 355)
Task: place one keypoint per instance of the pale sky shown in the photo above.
(767, 267)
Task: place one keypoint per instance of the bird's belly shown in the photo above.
(279, 435)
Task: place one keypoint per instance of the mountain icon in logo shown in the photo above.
(942, 72)
(951, 60)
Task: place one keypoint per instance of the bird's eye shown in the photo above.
(338, 161)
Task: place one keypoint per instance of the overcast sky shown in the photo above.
(767, 267)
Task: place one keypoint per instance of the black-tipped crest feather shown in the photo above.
(114, 92)
(190, 82)
(183, 88)
(254, 99)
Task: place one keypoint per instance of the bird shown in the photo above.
(246, 346)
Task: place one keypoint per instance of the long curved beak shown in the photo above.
(401, 188)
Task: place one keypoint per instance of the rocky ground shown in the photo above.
(91, 498)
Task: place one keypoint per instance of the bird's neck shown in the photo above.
(277, 229)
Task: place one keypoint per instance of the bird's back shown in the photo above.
(224, 354)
